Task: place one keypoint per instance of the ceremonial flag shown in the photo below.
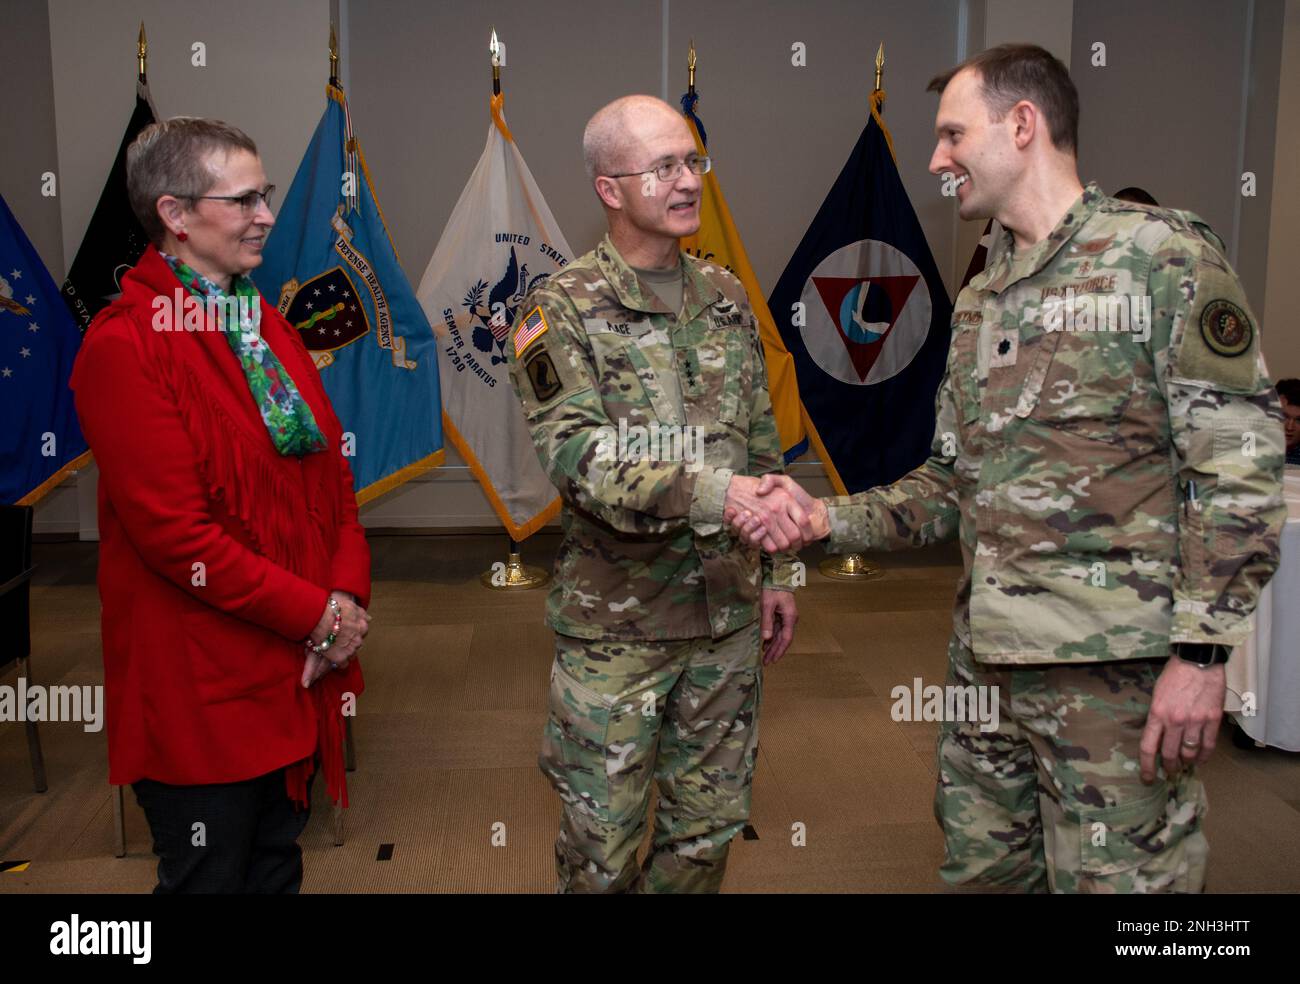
(500, 242)
(41, 440)
(114, 240)
(719, 242)
(864, 313)
(979, 258)
(331, 264)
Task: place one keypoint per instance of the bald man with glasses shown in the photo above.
(641, 374)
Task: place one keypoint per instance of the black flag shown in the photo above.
(114, 239)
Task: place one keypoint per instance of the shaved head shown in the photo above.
(613, 136)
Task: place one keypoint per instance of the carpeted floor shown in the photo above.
(448, 731)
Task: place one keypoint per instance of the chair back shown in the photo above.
(15, 604)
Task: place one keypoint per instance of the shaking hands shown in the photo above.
(774, 513)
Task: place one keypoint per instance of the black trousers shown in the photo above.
(231, 838)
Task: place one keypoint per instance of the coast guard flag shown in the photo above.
(499, 243)
(114, 240)
(719, 242)
(41, 440)
(864, 312)
(331, 264)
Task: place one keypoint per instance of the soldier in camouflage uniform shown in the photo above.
(1108, 451)
(641, 374)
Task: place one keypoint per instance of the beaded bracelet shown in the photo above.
(334, 631)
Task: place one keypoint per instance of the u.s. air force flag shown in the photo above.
(331, 266)
(41, 440)
(500, 241)
(864, 312)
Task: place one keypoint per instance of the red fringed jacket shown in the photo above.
(217, 554)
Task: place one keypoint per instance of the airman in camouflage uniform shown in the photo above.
(641, 415)
(1108, 452)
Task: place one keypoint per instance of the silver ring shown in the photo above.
(1191, 744)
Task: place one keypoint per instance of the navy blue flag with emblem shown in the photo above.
(331, 264)
(41, 440)
(862, 309)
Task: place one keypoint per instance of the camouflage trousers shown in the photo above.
(683, 713)
(1052, 799)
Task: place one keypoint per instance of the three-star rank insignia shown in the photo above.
(1226, 328)
(542, 374)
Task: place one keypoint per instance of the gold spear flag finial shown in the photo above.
(494, 48)
(880, 63)
(334, 56)
(690, 64)
(142, 53)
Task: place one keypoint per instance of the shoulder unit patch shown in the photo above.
(542, 374)
(1226, 328)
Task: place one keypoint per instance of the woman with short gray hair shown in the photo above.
(233, 570)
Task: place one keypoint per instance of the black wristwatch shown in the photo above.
(1203, 654)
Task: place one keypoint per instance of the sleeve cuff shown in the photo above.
(850, 531)
(778, 574)
(709, 499)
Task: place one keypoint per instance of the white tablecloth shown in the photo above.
(1267, 666)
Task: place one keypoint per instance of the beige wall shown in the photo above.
(30, 147)
(1049, 23)
(1142, 125)
(1282, 331)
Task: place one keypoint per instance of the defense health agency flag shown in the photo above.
(331, 264)
(864, 312)
(114, 240)
(719, 242)
(41, 440)
(499, 243)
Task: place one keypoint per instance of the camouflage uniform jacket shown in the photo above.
(1114, 490)
(609, 379)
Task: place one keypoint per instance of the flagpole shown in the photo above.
(334, 58)
(516, 575)
(854, 567)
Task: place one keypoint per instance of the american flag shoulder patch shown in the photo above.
(529, 330)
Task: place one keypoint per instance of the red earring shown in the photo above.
(182, 235)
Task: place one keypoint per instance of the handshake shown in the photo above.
(774, 513)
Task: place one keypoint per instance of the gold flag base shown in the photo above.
(514, 574)
(850, 567)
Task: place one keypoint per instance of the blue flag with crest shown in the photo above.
(864, 312)
(330, 267)
(41, 440)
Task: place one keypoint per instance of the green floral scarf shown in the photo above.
(285, 413)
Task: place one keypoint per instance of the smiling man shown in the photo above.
(662, 617)
(1116, 491)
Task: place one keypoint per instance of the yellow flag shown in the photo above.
(719, 242)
